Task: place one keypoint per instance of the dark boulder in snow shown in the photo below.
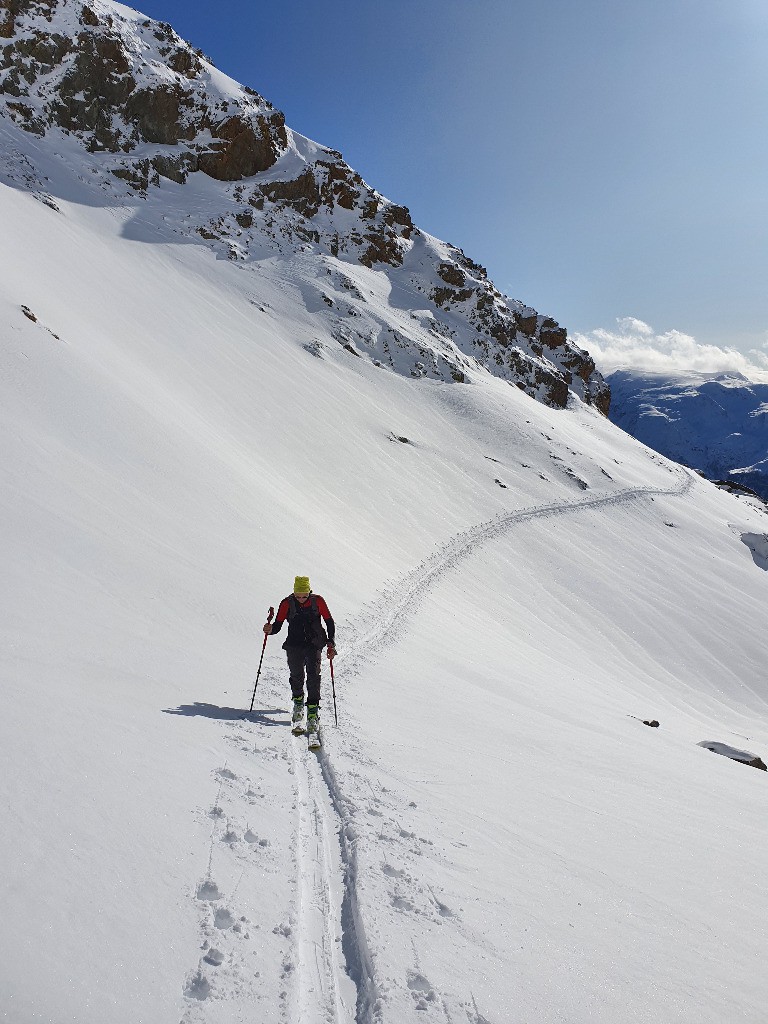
(743, 756)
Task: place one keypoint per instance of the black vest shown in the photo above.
(305, 628)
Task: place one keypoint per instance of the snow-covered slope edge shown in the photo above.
(141, 116)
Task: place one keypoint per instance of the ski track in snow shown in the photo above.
(325, 993)
(386, 617)
(330, 965)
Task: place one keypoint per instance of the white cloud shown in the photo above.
(635, 345)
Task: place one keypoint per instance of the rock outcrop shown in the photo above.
(742, 756)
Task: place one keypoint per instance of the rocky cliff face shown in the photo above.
(117, 83)
(148, 107)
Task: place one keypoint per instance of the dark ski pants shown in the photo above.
(301, 659)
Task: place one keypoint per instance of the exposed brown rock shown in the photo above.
(88, 17)
(301, 192)
(97, 81)
(601, 397)
(527, 323)
(382, 248)
(552, 335)
(6, 20)
(177, 167)
(27, 117)
(451, 274)
(398, 216)
(339, 185)
(48, 49)
(472, 268)
(346, 196)
(533, 377)
(156, 114)
(370, 208)
(394, 214)
(444, 296)
(185, 62)
(139, 175)
(245, 149)
(10, 10)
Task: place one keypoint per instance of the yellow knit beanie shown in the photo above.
(301, 585)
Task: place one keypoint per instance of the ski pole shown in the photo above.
(263, 648)
(333, 690)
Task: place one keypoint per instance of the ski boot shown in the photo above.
(297, 718)
(313, 728)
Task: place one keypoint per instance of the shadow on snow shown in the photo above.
(261, 716)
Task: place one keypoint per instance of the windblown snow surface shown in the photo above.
(491, 834)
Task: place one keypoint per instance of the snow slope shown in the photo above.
(491, 834)
(717, 423)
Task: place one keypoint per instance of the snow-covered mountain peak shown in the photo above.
(147, 112)
(119, 83)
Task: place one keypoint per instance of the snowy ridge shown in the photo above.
(129, 105)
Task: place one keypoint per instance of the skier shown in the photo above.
(303, 647)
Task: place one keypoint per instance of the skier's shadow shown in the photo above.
(262, 716)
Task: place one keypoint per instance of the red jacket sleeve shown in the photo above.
(322, 607)
(282, 615)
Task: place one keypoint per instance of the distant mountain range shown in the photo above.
(716, 423)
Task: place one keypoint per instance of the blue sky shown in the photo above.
(604, 160)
